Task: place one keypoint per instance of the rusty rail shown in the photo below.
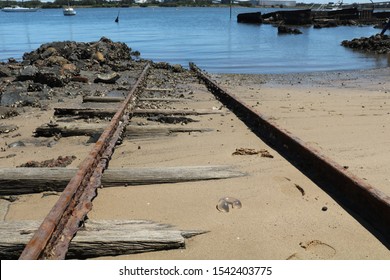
(52, 239)
(365, 201)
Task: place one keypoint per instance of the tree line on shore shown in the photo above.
(104, 3)
(124, 3)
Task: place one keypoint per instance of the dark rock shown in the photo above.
(49, 52)
(177, 68)
(27, 73)
(49, 78)
(162, 65)
(379, 44)
(282, 29)
(5, 71)
(34, 87)
(10, 97)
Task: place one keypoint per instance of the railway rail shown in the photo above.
(364, 200)
(51, 240)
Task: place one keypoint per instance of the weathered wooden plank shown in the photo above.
(105, 99)
(32, 180)
(152, 112)
(85, 112)
(109, 112)
(99, 238)
(159, 89)
(113, 99)
(93, 129)
(164, 99)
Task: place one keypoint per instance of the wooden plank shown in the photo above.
(153, 112)
(93, 129)
(159, 89)
(109, 112)
(99, 238)
(163, 99)
(113, 99)
(105, 99)
(32, 180)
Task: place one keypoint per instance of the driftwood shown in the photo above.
(103, 113)
(94, 129)
(99, 238)
(15, 181)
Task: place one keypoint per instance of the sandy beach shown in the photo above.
(284, 215)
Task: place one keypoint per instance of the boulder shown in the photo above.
(282, 29)
(27, 73)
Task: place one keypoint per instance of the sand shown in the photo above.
(344, 114)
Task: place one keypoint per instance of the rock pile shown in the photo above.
(374, 44)
(62, 68)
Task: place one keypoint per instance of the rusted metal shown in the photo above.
(51, 240)
(365, 201)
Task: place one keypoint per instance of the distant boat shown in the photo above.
(15, 9)
(69, 11)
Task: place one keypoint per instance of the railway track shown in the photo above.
(54, 236)
(51, 240)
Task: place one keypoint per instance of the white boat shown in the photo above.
(15, 9)
(69, 11)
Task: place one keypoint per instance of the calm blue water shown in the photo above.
(206, 36)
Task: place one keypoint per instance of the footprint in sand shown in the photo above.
(288, 187)
(314, 250)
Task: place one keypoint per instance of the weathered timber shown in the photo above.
(163, 99)
(93, 129)
(105, 99)
(104, 113)
(99, 238)
(159, 89)
(113, 99)
(142, 132)
(14, 181)
(153, 112)
(85, 112)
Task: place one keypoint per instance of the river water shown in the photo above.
(207, 36)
